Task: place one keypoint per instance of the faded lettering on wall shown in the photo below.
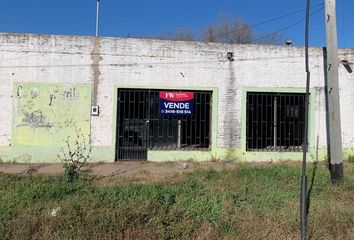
(45, 114)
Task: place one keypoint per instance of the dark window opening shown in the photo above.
(140, 126)
(275, 121)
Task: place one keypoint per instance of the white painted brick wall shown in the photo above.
(154, 63)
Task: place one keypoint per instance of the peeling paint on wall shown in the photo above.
(46, 114)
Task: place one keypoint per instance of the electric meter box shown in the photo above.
(95, 110)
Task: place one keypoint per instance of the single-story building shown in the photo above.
(158, 100)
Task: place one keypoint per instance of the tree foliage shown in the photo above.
(229, 31)
(225, 30)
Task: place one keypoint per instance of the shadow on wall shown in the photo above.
(346, 65)
(348, 68)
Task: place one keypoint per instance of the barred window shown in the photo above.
(275, 121)
(142, 127)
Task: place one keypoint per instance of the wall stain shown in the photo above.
(95, 67)
(231, 129)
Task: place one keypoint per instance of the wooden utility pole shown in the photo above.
(334, 128)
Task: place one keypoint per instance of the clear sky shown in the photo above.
(124, 18)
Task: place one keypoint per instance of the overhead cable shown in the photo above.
(285, 28)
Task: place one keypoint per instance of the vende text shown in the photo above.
(171, 105)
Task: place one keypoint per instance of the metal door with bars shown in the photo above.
(275, 121)
(141, 127)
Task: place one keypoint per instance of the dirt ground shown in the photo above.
(120, 169)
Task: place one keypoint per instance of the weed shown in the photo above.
(190, 160)
(30, 169)
(214, 158)
(75, 154)
(144, 172)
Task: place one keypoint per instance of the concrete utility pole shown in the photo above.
(334, 128)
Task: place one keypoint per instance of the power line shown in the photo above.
(265, 21)
(285, 28)
(274, 19)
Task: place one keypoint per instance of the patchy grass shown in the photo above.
(249, 202)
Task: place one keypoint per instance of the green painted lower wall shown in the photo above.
(162, 156)
(45, 114)
(106, 154)
(33, 154)
(236, 154)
